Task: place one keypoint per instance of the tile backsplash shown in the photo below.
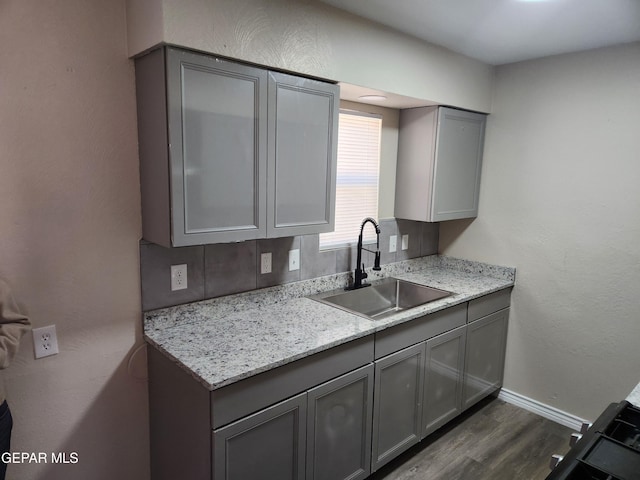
(228, 268)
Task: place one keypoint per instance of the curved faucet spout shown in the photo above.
(359, 273)
(371, 220)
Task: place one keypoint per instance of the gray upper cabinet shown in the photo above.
(203, 148)
(303, 133)
(439, 164)
(227, 147)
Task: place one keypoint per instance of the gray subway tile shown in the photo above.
(347, 256)
(345, 259)
(155, 275)
(388, 227)
(230, 268)
(279, 248)
(430, 238)
(313, 262)
(414, 230)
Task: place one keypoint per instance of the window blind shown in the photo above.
(357, 178)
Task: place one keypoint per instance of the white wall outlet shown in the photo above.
(178, 277)
(294, 259)
(265, 263)
(405, 241)
(45, 341)
(393, 240)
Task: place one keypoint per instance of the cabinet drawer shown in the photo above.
(483, 306)
(414, 331)
(255, 393)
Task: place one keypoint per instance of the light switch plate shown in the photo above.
(393, 240)
(405, 241)
(265, 263)
(294, 259)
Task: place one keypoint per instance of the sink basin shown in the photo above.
(383, 298)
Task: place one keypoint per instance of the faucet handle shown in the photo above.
(364, 274)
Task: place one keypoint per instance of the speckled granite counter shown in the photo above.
(634, 396)
(226, 339)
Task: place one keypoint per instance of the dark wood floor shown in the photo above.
(492, 441)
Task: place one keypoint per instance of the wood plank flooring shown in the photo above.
(492, 441)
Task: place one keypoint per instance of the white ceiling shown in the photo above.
(505, 31)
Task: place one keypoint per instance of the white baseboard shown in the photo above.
(546, 411)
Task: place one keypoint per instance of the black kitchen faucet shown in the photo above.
(359, 273)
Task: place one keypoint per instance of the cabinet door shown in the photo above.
(484, 360)
(397, 407)
(339, 427)
(267, 445)
(218, 148)
(303, 137)
(459, 148)
(444, 367)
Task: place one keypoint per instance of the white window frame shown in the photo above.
(361, 152)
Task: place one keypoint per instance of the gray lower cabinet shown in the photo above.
(232, 152)
(269, 444)
(323, 434)
(339, 422)
(422, 387)
(340, 414)
(398, 403)
(417, 390)
(484, 358)
(444, 371)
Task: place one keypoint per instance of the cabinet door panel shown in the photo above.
(303, 130)
(339, 427)
(459, 150)
(267, 445)
(444, 366)
(217, 134)
(397, 403)
(484, 362)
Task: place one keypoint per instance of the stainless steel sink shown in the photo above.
(382, 298)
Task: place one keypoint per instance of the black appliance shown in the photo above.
(608, 450)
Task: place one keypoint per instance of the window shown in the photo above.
(357, 178)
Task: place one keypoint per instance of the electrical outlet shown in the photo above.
(45, 341)
(393, 240)
(265, 263)
(405, 241)
(178, 277)
(294, 259)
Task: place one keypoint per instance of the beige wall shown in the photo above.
(69, 230)
(312, 38)
(560, 200)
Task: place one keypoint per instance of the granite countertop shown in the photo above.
(223, 340)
